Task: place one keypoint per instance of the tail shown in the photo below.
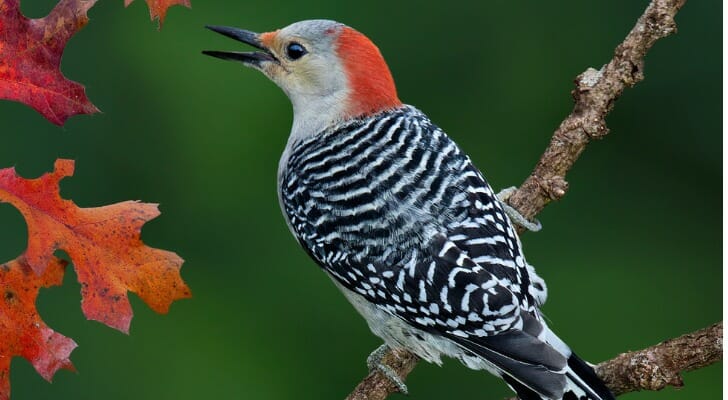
(584, 382)
(537, 365)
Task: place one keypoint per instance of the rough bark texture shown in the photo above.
(659, 366)
(594, 96)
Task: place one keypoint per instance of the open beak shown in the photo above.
(251, 58)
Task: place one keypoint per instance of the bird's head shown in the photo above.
(326, 68)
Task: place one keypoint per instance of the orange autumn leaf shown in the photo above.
(104, 245)
(158, 8)
(22, 332)
(30, 57)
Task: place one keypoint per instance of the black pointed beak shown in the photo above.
(252, 58)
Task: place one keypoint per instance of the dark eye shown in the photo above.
(294, 51)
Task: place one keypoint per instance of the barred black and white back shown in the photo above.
(414, 236)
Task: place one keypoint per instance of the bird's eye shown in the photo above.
(294, 51)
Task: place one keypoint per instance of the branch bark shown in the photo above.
(594, 96)
(659, 366)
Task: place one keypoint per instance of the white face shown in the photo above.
(306, 65)
(302, 60)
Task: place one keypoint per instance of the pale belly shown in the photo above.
(396, 333)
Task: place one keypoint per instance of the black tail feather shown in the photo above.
(530, 378)
(589, 377)
(523, 391)
(510, 353)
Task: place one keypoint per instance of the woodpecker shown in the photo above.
(400, 218)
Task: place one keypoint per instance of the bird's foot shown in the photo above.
(514, 215)
(374, 362)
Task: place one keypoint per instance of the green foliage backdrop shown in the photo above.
(632, 255)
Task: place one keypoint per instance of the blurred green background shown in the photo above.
(632, 255)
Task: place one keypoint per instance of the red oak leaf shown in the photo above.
(158, 8)
(22, 332)
(30, 57)
(104, 245)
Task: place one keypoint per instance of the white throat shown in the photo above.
(313, 114)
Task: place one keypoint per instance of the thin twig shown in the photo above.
(595, 93)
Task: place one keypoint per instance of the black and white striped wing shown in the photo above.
(386, 191)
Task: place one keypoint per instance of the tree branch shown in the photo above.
(659, 366)
(377, 386)
(594, 96)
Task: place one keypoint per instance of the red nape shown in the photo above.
(372, 86)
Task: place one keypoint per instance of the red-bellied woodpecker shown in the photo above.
(401, 220)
